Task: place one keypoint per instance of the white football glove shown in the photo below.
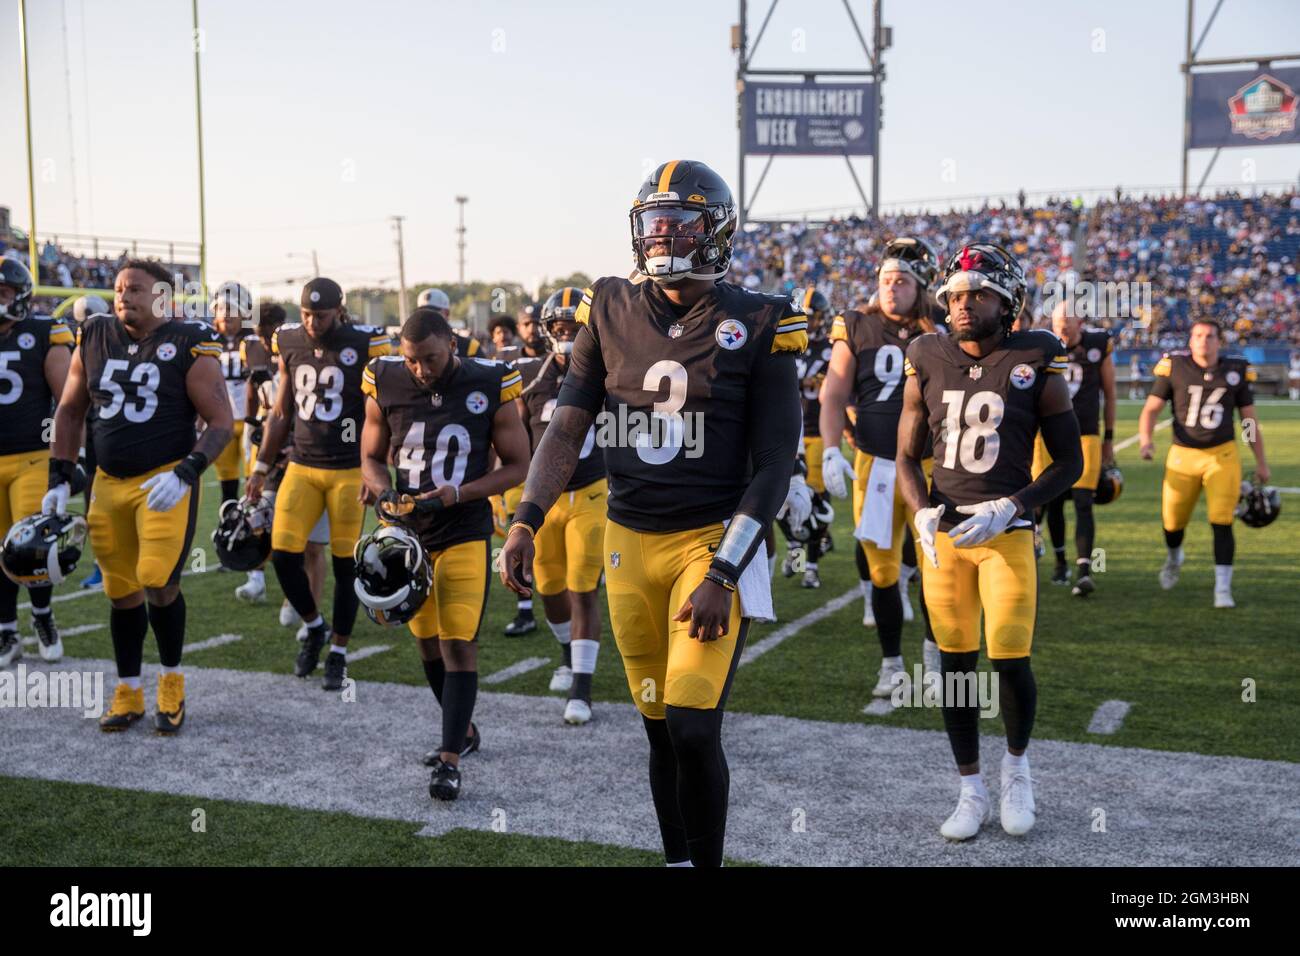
(988, 520)
(927, 525)
(56, 499)
(798, 502)
(165, 491)
(837, 473)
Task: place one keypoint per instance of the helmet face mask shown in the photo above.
(1259, 505)
(43, 549)
(14, 276)
(984, 265)
(560, 306)
(913, 256)
(394, 576)
(683, 224)
(243, 534)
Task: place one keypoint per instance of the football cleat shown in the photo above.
(336, 669)
(1223, 598)
(309, 655)
(93, 580)
(828, 543)
(810, 579)
(787, 563)
(891, 675)
(48, 635)
(301, 634)
(444, 784)
(1040, 548)
(126, 709)
(252, 591)
(577, 711)
(288, 616)
(1017, 800)
(472, 741)
(562, 679)
(1061, 574)
(11, 648)
(931, 661)
(973, 811)
(1084, 586)
(523, 623)
(171, 704)
(1169, 573)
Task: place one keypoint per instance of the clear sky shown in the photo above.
(323, 117)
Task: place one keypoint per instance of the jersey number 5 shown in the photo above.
(962, 439)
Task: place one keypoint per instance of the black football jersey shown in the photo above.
(234, 369)
(328, 405)
(145, 416)
(26, 402)
(1083, 376)
(811, 368)
(982, 414)
(541, 380)
(671, 395)
(1203, 398)
(442, 437)
(467, 346)
(879, 348)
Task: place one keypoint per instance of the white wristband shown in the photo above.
(260, 467)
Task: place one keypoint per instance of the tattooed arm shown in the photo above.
(207, 390)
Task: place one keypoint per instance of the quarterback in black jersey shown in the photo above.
(150, 378)
(695, 383)
(1205, 387)
(1090, 375)
(321, 361)
(867, 364)
(567, 563)
(34, 359)
(981, 394)
(435, 418)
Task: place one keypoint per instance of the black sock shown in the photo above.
(568, 654)
(1018, 699)
(128, 627)
(346, 601)
(434, 671)
(459, 691)
(663, 790)
(40, 597)
(887, 606)
(1056, 522)
(229, 489)
(860, 559)
(962, 723)
(1085, 529)
(702, 780)
(8, 599)
(521, 610)
(291, 570)
(925, 611)
(1173, 539)
(1060, 555)
(1224, 544)
(169, 630)
(909, 552)
(581, 687)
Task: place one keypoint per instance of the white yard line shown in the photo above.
(1109, 717)
(65, 632)
(757, 650)
(219, 641)
(1133, 439)
(515, 669)
(363, 652)
(87, 592)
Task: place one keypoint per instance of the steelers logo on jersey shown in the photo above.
(1022, 376)
(731, 334)
(166, 352)
(1233, 378)
(1094, 356)
(26, 341)
(348, 356)
(476, 402)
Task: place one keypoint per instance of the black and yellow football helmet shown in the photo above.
(683, 223)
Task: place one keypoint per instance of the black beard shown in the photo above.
(979, 329)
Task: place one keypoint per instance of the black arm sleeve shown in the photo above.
(775, 417)
(1061, 436)
(584, 385)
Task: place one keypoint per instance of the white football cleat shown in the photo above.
(973, 811)
(1169, 573)
(908, 613)
(1223, 598)
(252, 591)
(891, 675)
(562, 679)
(932, 661)
(288, 616)
(302, 633)
(577, 711)
(1017, 799)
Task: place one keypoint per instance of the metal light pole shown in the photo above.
(401, 268)
(460, 237)
(31, 170)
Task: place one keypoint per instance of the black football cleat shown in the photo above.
(309, 654)
(1061, 575)
(1084, 586)
(523, 623)
(336, 668)
(472, 740)
(828, 544)
(445, 782)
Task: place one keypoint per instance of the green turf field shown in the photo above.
(1178, 661)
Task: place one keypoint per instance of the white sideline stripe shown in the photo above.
(65, 632)
(1109, 717)
(362, 653)
(217, 641)
(754, 651)
(1290, 491)
(880, 707)
(1133, 439)
(87, 592)
(515, 669)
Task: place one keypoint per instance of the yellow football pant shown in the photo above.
(460, 588)
(568, 548)
(1091, 460)
(304, 493)
(884, 563)
(227, 463)
(1187, 471)
(135, 547)
(24, 476)
(999, 578)
(812, 453)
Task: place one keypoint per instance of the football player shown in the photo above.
(1090, 375)
(321, 361)
(567, 563)
(34, 358)
(709, 367)
(231, 306)
(1205, 387)
(811, 368)
(435, 417)
(83, 309)
(149, 377)
(867, 362)
(981, 394)
(466, 345)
